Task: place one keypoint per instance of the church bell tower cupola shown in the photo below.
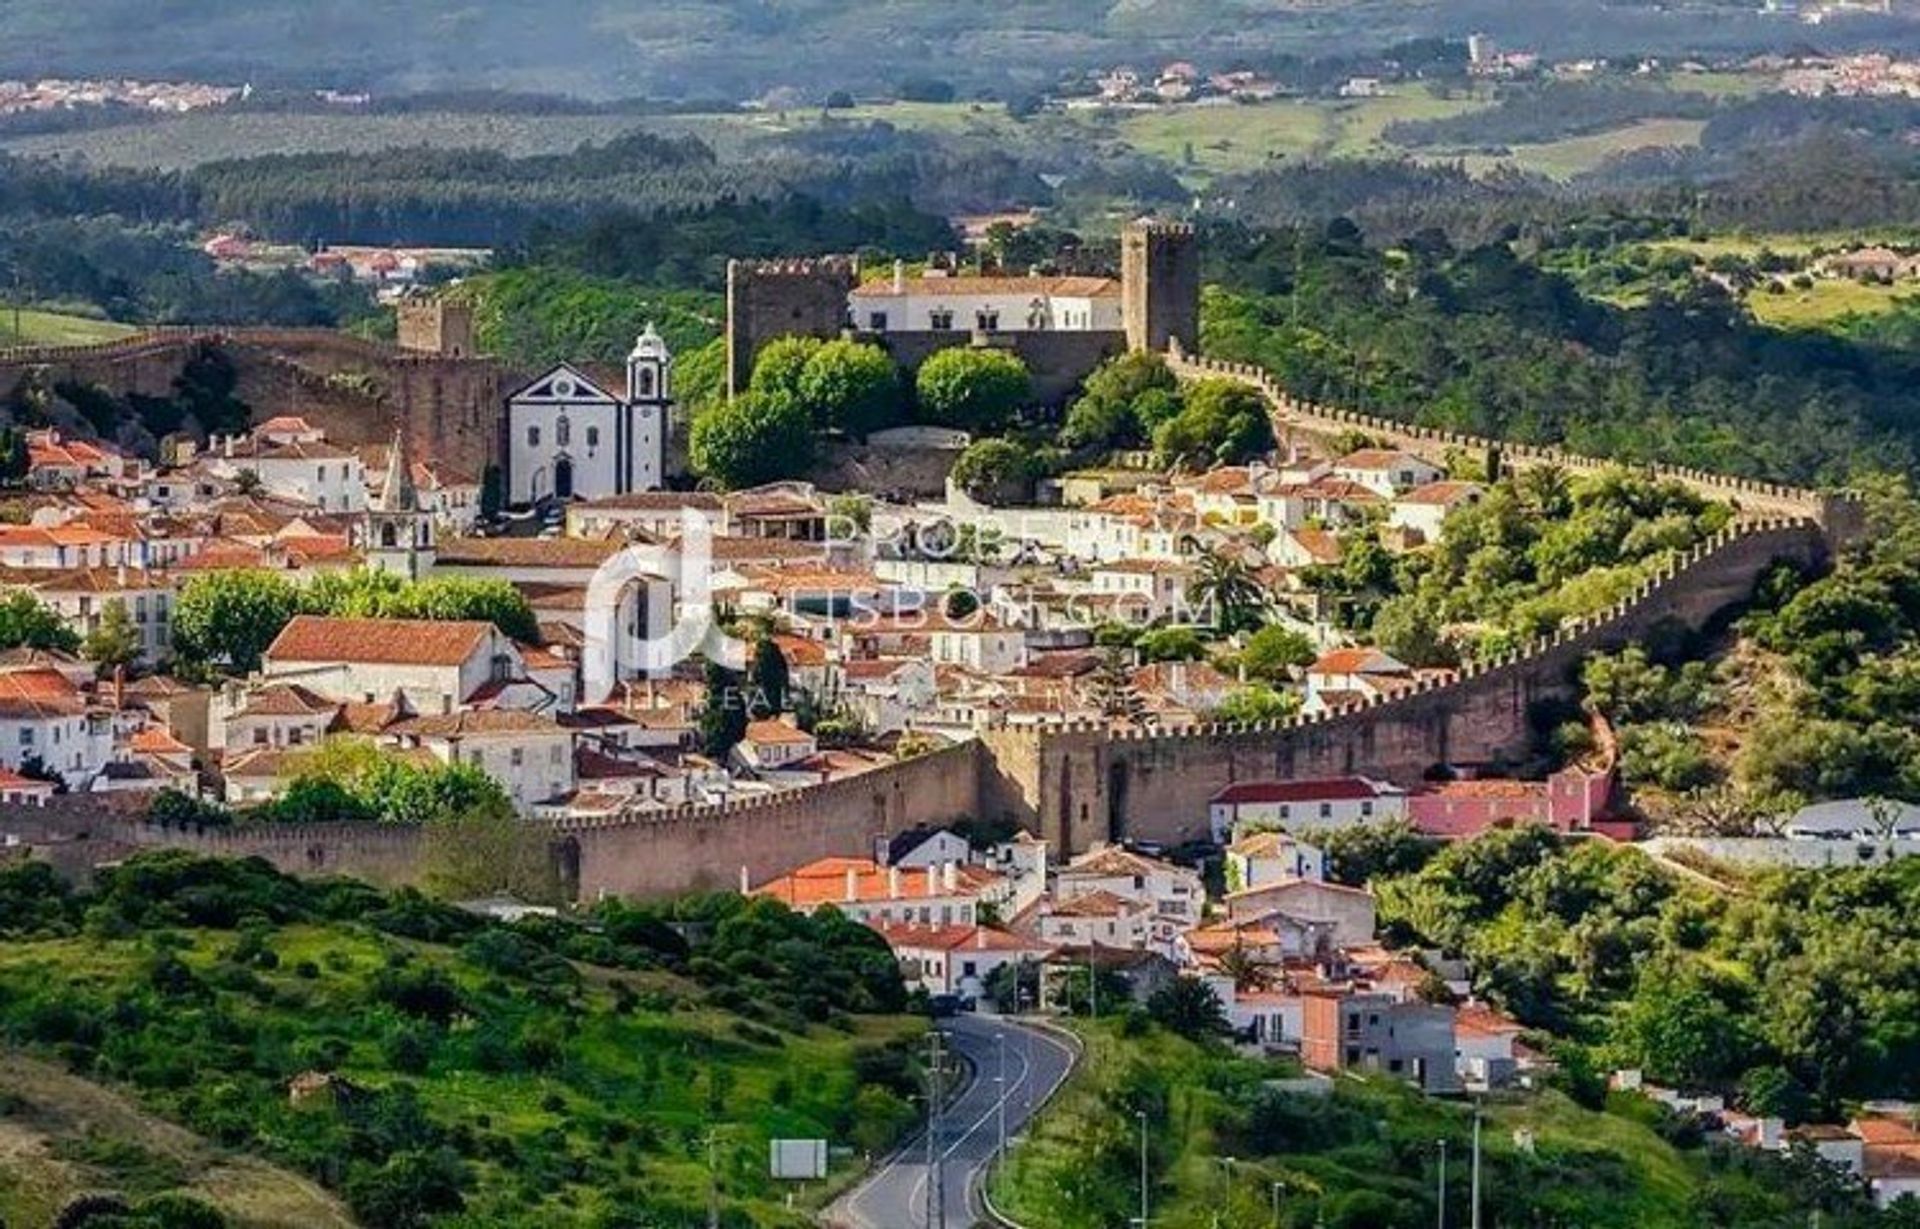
(649, 370)
(398, 534)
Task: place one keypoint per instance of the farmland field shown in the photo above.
(41, 328)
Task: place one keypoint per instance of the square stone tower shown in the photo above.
(1160, 285)
(436, 326)
(783, 298)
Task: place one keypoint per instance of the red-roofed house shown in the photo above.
(440, 666)
(1350, 910)
(1570, 800)
(1324, 802)
(957, 959)
(1386, 471)
(946, 895)
(1425, 509)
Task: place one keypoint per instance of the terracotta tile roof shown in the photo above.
(38, 694)
(1111, 861)
(1320, 546)
(1496, 788)
(957, 938)
(156, 741)
(284, 424)
(526, 552)
(406, 642)
(89, 580)
(366, 718)
(287, 700)
(1442, 494)
(1357, 661)
(1375, 458)
(800, 650)
(654, 501)
(1320, 789)
(1264, 845)
(777, 732)
(11, 780)
(476, 723)
(1097, 904)
(265, 763)
(826, 881)
(1885, 1131)
(1293, 886)
(958, 287)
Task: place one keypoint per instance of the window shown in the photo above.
(140, 610)
(296, 736)
(644, 384)
(563, 431)
(877, 321)
(26, 736)
(986, 320)
(1353, 1022)
(1366, 810)
(940, 318)
(319, 473)
(1283, 810)
(593, 437)
(519, 757)
(553, 754)
(533, 437)
(1326, 810)
(259, 736)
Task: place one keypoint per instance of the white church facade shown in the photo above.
(568, 438)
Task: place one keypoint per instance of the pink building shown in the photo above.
(1570, 800)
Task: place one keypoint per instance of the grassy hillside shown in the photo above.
(1362, 1158)
(487, 1075)
(62, 1137)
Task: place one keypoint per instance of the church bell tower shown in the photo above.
(398, 536)
(643, 455)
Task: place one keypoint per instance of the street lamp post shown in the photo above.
(1142, 1116)
(1275, 1190)
(1443, 1184)
(1000, 1047)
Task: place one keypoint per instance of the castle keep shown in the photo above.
(1061, 327)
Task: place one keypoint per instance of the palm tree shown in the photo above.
(1227, 585)
(1247, 973)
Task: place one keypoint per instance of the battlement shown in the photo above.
(796, 266)
(1837, 513)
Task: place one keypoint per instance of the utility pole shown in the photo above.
(1476, 1167)
(1443, 1184)
(1142, 1116)
(1093, 986)
(936, 1192)
(1276, 1203)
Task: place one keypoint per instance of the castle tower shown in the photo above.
(436, 325)
(397, 535)
(782, 298)
(644, 425)
(1160, 285)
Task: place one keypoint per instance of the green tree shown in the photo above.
(751, 440)
(1189, 1007)
(1113, 689)
(25, 622)
(851, 386)
(768, 676)
(995, 471)
(1407, 628)
(1108, 413)
(779, 370)
(1680, 1030)
(1223, 422)
(1171, 644)
(972, 390)
(492, 493)
(15, 460)
(486, 849)
(723, 715)
(1227, 586)
(1274, 652)
(115, 642)
(1256, 703)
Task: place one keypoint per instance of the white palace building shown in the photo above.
(569, 438)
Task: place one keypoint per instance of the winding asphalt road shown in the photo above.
(968, 1132)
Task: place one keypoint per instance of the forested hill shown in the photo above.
(1479, 340)
(740, 48)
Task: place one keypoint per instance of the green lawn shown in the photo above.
(1826, 300)
(41, 328)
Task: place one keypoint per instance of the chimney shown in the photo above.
(853, 884)
(899, 277)
(933, 881)
(745, 882)
(950, 875)
(893, 883)
(120, 573)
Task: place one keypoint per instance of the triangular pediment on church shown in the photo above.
(565, 383)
